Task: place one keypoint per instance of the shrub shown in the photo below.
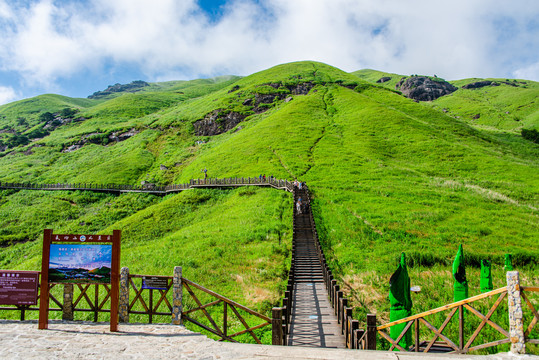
(37, 134)
(46, 117)
(17, 140)
(530, 134)
(68, 112)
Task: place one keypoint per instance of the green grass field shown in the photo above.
(387, 175)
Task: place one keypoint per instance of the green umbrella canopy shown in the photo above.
(486, 276)
(400, 301)
(508, 263)
(399, 286)
(459, 274)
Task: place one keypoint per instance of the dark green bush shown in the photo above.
(46, 117)
(531, 134)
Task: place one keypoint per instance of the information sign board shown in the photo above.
(18, 287)
(81, 262)
(155, 282)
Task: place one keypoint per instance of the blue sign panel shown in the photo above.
(80, 263)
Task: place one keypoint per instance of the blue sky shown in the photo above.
(77, 47)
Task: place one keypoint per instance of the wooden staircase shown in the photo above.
(312, 319)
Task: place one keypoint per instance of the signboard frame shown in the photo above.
(48, 239)
(33, 289)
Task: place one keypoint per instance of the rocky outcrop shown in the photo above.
(301, 88)
(422, 88)
(383, 79)
(59, 121)
(100, 139)
(122, 136)
(479, 84)
(217, 122)
(234, 88)
(134, 86)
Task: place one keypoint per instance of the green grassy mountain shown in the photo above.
(387, 175)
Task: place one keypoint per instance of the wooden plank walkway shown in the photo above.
(313, 322)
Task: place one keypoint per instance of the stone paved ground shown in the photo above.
(80, 340)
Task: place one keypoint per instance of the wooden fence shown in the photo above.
(95, 298)
(463, 343)
(282, 184)
(71, 298)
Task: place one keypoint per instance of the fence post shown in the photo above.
(344, 315)
(354, 326)
(336, 299)
(67, 308)
(371, 332)
(177, 296)
(332, 292)
(339, 306)
(276, 326)
(516, 326)
(123, 308)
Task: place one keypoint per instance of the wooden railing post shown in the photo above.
(354, 326)
(347, 319)
(288, 302)
(461, 327)
(339, 306)
(335, 298)
(371, 332)
(177, 296)
(416, 325)
(332, 292)
(344, 307)
(276, 326)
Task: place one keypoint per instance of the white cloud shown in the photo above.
(7, 94)
(48, 40)
(528, 72)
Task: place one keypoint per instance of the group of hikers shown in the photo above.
(301, 205)
(262, 178)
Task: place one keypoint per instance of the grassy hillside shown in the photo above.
(508, 106)
(387, 175)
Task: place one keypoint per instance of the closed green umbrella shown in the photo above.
(459, 274)
(508, 263)
(486, 276)
(400, 301)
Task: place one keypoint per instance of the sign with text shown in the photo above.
(80, 263)
(155, 282)
(69, 258)
(18, 287)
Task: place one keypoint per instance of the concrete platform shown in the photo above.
(82, 340)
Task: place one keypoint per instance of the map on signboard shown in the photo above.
(80, 263)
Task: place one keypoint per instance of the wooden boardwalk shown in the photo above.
(312, 317)
(313, 322)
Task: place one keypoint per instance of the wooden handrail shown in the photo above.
(228, 301)
(445, 307)
(156, 189)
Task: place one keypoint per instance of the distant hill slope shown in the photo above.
(489, 104)
(387, 175)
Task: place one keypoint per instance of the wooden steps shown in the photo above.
(312, 321)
